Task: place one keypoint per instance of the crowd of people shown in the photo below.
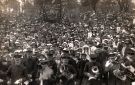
(99, 49)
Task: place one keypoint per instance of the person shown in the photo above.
(92, 71)
(80, 67)
(3, 69)
(111, 79)
(49, 69)
(71, 61)
(46, 73)
(34, 74)
(102, 56)
(126, 48)
(31, 63)
(130, 66)
(17, 72)
(86, 50)
(67, 72)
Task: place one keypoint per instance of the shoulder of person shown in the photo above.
(22, 67)
(88, 63)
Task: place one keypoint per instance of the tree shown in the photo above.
(91, 3)
(124, 5)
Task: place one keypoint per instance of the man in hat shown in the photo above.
(102, 55)
(52, 65)
(30, 62)
(92, 71)
(16, 71)
(71, 61)
(34, 73)
(109, 79)
(67, 72)
(80, 67)
(46, 73)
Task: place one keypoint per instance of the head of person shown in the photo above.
(65, 52)
(128, 43)
(29, 53)
(79, 50)
(43, 64)
(4, 62)
(99, 46)
(64, 60)
(34, 55)
(78, 55)
(86, 48)
(83, 56)
(130, 56)
(50, 54)
(17, 59)
(72, 52)
(93, 57)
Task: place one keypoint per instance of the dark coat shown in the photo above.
(16, 72)
(71, 70)
(80, 70)
(3, 75)
(3, 70)
(113, 80)
(80, 67)
(52, 81)
(88, 69)
(31, 65)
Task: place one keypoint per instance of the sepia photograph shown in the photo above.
(67, 42)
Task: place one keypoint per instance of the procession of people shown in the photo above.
(91, 60)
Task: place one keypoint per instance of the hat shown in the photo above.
(105, 47)
(85, 46)
(111, 54)
(49, 44)
(64, 57)
(83, 54)
(29, 50)
(52, 49)
(66, 50)
(17, 51)
(99, 46)
(131, 53)
(93, 56)
(79, 50)
(128, 41)
(17, 56)
(50, 53)
(43, 62)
